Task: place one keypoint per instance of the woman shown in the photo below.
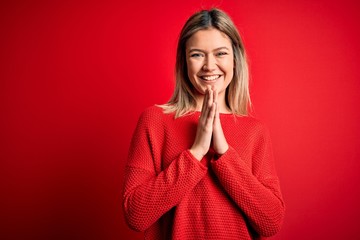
(198, 166)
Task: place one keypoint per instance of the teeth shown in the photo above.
(210, 78)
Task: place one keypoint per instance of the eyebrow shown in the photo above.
(199, 50)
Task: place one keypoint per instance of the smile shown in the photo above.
(210, 78)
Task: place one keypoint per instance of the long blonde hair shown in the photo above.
(237, 95)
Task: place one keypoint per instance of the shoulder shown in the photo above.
(153, 116)
(253, 125)
(152, 113)
(250, 121)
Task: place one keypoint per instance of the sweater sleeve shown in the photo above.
(149, 194)
(254, 189)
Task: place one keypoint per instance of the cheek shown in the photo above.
(190, 73)
(192, 66)
(230, 68)
(193, 69)
(230, 63)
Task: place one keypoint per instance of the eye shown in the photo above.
(196, 55)
(220, 54)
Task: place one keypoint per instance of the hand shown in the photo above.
(204, 130)
(209, 128)
(219, 141)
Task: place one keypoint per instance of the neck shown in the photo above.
(223, 108)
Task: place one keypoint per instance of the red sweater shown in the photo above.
(169, 194)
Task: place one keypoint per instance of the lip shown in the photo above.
(210, 78)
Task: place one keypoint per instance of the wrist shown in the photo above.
(196, 154)
(222, 150)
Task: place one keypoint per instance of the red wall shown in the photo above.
(74, 77)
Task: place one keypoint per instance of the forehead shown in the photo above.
(208, 39)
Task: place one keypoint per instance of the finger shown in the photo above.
(212, 113)
(206, 102)
(203, 107)
(217, 113)
(217, 110)
(211, 98)
(216, 94)
(209, 120)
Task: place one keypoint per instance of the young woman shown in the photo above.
(198, 166)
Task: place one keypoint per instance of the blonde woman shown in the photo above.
(199, 167)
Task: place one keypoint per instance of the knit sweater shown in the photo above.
(169, 194)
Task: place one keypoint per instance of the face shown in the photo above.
(210, 61)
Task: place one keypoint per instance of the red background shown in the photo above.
(76, 75)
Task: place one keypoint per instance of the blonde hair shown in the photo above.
(237, 95)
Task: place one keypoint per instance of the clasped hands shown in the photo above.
(209, 130)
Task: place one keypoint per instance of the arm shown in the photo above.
(149, 195)
(255, 190)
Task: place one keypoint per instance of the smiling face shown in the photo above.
(210, 61)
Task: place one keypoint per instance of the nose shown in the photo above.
(209, 64)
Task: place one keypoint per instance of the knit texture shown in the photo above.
(169, 194)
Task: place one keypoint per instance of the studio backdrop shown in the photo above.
(76, 75)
